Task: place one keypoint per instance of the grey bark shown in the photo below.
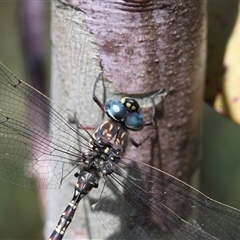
(144, 47)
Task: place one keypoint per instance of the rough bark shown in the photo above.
(144, 46)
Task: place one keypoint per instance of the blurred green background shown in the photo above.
(220, 162)
(20, 214)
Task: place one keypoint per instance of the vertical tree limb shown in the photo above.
(144, 46)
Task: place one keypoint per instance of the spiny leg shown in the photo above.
(162, 93)
(95, 98)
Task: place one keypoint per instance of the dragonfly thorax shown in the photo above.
(112, 135)
(104, 157)
(108, 143)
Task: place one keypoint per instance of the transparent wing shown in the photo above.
(148, 203)
(28, 149)
(145, 202)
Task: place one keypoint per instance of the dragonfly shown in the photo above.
(148, 202)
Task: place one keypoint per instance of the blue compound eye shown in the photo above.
(115, 110)
(134, 121)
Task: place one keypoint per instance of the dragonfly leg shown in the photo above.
(95, 98)
(138, 144)
(161, 93)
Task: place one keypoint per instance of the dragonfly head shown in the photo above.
(126, 112)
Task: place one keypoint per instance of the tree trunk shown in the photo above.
(144, 46)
